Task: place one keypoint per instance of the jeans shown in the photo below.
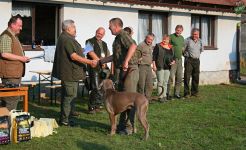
(162, 80)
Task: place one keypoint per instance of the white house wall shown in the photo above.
(225, 57)
(214, 63)
(89, 17)
(5, 11)
(176, 18)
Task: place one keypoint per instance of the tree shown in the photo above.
(240, 7)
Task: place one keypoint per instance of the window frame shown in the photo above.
(212, 46)
(33, 15)
(164, 20)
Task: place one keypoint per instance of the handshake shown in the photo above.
(101, 62)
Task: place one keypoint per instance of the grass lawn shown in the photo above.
(216, 120)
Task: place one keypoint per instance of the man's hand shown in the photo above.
(154, 68)
(93, 63)
(25, 59)
(10, 56)
(125, 66)
(173, 62)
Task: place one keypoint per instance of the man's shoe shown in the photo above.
(91, 110)
(186, 96)
(169, 98)
(75, 114)
(63, 123)
(177, 96)
(151, 101)
(98, 108)
(124, 132)
(67, 124)
(195, 95)
(163, 100)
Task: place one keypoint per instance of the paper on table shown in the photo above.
(88, 48)
(37, 57)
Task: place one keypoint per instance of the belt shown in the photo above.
(178, 58)
(144, 65)
(193, 58)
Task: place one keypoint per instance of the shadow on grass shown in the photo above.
(90, 124)
(89, 145)
(43, 111)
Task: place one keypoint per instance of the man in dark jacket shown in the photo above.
(97, 74)
(69, 66)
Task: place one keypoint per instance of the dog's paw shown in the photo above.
(111, 134)
(134, 130)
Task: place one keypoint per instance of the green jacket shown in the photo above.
(178, 45)
(64, 68)
(121, 45)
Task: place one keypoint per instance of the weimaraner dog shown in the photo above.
(117, 102)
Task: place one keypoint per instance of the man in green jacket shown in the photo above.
(125, 59)
(69, 67)
(176, 72)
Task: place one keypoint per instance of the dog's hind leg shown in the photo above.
(142, 117)
(131, 116)
(112, 118)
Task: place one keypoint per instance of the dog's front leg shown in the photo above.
(112, 118)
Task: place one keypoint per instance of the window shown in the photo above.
(40, 23)
(206, 24)
(152, 22)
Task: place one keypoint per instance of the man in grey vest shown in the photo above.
(69, 67)
(12, 59)
(96, 75)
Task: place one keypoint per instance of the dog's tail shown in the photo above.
(156, 97)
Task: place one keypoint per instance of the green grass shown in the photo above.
(216, 120)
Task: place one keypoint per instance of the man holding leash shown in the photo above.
(125, 59)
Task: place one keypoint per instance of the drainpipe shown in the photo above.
(238, 50)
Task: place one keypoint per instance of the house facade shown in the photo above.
(215, 19)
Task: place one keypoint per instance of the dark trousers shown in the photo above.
(145, 83)
(11, 102)
(69, 93)
(192, 70)
(95, 98)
